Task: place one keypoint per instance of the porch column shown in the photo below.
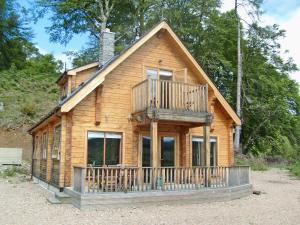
(206, 139)
(154, 151)
(154, 144)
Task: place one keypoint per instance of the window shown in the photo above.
(36, 145)
(198, 154)
(56, 142)
(44, 145)
(152, 73)
(165, 75)
(104, 148)
(146, 155)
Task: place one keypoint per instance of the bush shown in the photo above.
(295, 169)
(9, 172)
(256, 163)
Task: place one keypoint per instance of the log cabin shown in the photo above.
(147, 119)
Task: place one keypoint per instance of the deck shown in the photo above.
(134, 179)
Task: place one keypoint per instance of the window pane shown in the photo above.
(151, 73)
(165, 75)
(213, 153)
(146, 151)
(167, 151)
(112, 150)
(95, 148)
(56, 145)
(197, 151)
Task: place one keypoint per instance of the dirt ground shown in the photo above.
(25, 203)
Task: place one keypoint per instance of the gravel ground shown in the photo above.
(25, 203)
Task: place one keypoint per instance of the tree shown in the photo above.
(14, 35)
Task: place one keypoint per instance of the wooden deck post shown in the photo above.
(154, 148)
(206, 138)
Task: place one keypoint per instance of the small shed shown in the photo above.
(10, 156)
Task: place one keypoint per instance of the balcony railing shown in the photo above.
(170, 95)
(133, 179)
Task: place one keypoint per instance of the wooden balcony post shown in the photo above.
(206, 138)
(154, 147)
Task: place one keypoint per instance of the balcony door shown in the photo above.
(164, 88)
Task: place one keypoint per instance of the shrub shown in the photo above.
(295, 168)
(256, 163)
(9, 172)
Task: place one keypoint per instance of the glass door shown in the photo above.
(167, 148)
(146, 160)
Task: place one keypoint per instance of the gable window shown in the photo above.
(56, 142)
(104, 148)
(198, 154)
(44, 145)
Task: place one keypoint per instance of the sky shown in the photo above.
(286, 13)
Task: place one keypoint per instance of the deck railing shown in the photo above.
(133, 179)
(163, 94)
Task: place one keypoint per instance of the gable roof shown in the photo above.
(98, 78)
(75, 70)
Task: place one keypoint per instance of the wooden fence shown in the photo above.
(130, 179)
(163, 94)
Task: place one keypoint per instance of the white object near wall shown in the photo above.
(10, 156)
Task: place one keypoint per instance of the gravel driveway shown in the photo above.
(25, 203)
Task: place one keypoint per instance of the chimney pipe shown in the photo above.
(107, 46)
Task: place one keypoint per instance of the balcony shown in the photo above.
(169, 100)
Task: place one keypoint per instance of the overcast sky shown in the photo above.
(286, 13)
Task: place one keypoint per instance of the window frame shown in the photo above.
(216, 140)
(104, 146)
(57, 155)
(44, 145)
(36, 145)
(158, 69)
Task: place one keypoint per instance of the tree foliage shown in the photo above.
(27, 88)
(270, 99)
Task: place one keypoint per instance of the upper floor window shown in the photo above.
(64, 91)
(162, 74)
(56, 142)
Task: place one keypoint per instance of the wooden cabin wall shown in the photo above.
(84, 75)
(116, 106)
(46, 169)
